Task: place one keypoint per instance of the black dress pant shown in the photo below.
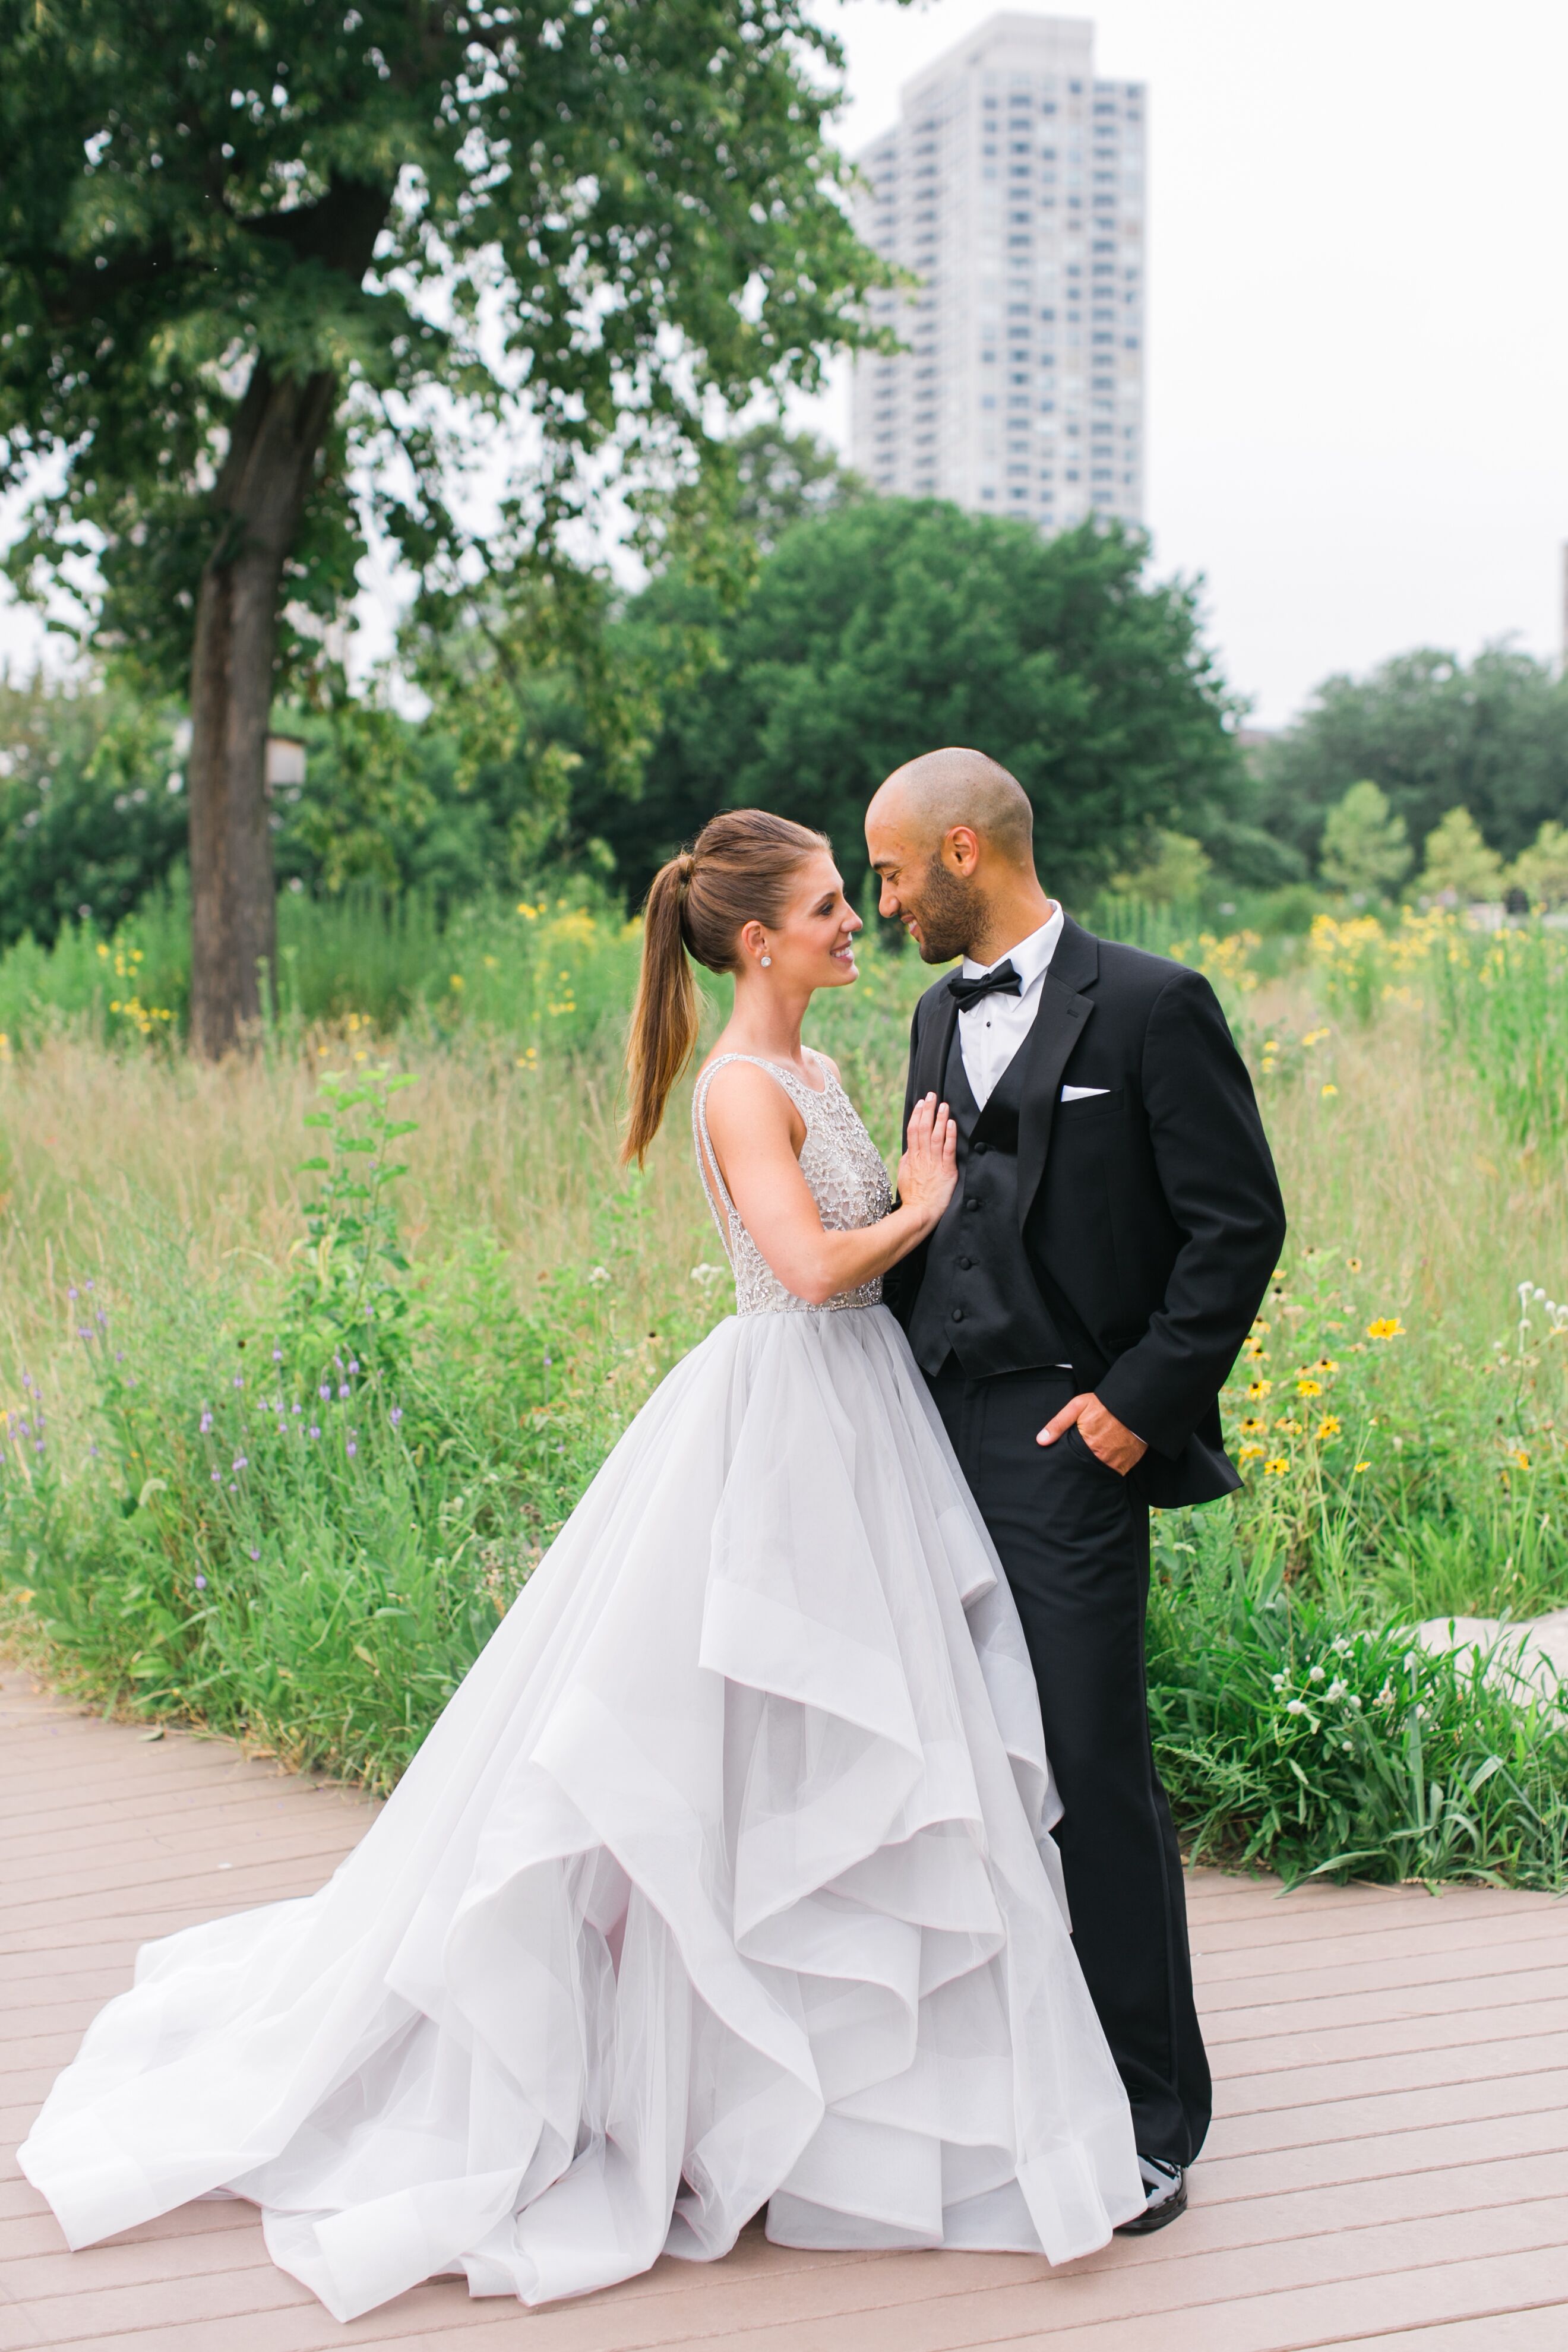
(1073, 1538)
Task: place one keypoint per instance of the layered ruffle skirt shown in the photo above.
(723, 1882)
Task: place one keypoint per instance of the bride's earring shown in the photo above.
(767, 964)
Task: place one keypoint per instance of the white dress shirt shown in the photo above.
(990, 1032)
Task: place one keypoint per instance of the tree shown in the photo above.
(1541, 870)
(1366, 849)
(893, 626)
(268, 275)
(1432, 733)
(1174, 874)
(90, 809)
(1458, 863)
(783, 479)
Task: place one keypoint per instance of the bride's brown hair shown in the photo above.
(737, 871)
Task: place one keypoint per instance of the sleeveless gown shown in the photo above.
(723, 1882)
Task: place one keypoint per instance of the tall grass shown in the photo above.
(184, 1545)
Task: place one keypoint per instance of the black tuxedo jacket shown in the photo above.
(1150, 1211)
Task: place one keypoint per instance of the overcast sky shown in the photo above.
(1358, 335)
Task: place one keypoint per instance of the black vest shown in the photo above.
(978, 1297)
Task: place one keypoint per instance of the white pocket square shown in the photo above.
(1082, 1094)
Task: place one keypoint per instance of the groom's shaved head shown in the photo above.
(927, 797)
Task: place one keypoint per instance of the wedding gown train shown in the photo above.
(723, 1882)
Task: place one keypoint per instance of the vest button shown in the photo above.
(958, 1313)
(966, 1263)
(980, 1149)
(971, 1204)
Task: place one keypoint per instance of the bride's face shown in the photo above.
(813, 944)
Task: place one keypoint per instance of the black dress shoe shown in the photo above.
(1167, 2187)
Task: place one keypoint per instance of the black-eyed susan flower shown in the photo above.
(1276, 1468)
(1385, 1327)
(1328, 1427)
(1308, 1388)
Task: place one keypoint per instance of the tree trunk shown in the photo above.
(258, 502)
(260, 496)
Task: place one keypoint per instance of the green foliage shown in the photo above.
(350, 1291)
(1541, 870)
(1292, 1735)
(893, 626)
(1174, 873)
(783, 478)
(1457, 861)
(320, 1578)
(1366, 848)
(588, 229)
(1433, 733)
(91, 814)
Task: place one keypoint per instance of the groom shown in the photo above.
(1115, 1225)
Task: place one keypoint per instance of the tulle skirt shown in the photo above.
(723, 1882)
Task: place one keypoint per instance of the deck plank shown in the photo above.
(1388, 2168)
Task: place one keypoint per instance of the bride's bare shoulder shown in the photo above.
(744, 1104)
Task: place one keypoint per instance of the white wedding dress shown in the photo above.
(722, 1882)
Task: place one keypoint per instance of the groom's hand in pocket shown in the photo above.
(1115, 1444)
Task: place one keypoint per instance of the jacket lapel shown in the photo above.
(936, 1038)
(1063, 1016)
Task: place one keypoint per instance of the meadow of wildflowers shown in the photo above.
(303, 1359)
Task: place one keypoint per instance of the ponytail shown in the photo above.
(738, 871)
(665, 1014)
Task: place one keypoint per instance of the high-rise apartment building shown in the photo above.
(1013, 187)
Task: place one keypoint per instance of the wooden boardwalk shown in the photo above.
(1388, 2168)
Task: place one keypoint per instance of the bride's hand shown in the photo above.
(928, 1169)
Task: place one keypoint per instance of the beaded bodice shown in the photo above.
(843, 1170)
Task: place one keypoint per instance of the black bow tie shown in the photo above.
(1000, 981)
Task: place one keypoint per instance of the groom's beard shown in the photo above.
(950, 911)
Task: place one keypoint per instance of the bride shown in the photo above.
(724, 1881)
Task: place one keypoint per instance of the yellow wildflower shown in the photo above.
(1258, 1388)
(1362, 1465)
(1520, 1457)
(1329, 1090)
(457, 979)
(1386, 1327)
(1291, 1428)
(1250, 1454)
(1276, 1468)
(1329, 1426)
(1308, 1388)
(1252, 1424)
(1352, 1264)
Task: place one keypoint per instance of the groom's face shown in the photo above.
(927, 889)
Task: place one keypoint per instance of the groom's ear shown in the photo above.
(960, 848)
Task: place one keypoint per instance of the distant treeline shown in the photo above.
(871, 630)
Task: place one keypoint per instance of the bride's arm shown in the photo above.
(757, 1135)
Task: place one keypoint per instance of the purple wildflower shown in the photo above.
(120, 1355)
(325, 1392)
(312, 1431)
(353, 1449)
(71, 1293)
(87, 1283)
(206, 1421)
(201, 1584)
(354, 1363)
(217, 1477)
(344, 1391)
(395, 1415)
(277, 1355)
(299, 1408)
(240, 1462)
(255, 1554)
(38, 1448)
(239, 1380)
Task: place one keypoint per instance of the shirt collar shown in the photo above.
(1030, 956)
